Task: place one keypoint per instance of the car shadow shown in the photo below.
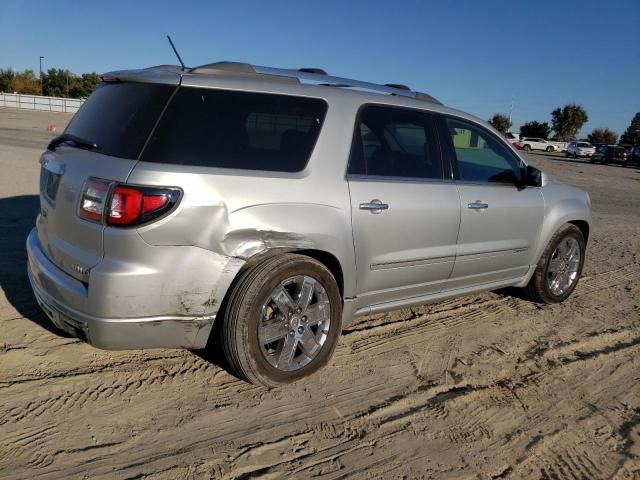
(17, 218)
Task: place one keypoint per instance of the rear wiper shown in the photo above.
(67, 137)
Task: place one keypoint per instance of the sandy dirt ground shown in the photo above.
(483, 387)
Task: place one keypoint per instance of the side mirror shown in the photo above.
(532, 176)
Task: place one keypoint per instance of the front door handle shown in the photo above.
(478, 205)
(374, 206)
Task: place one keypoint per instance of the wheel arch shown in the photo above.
(564, 205)
(584, 228)
(328, 260)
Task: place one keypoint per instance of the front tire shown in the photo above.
(527, 148)
(559, 268)
(549, 149)
(282, 320)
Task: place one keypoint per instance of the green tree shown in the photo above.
(63, 83)
(21, 82)
(57, 82)
(535, 129)
(6, 76)
(500, 122)
(603, 135)
(84, 85)
(631, 135)
(568, 120)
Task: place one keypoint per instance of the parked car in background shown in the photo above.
(181, 199)
(635, 155)
(580, 149)
(560, 146)
(611, 154)
(530, 143)
(512, 137)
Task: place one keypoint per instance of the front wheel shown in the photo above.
(560, 266)
(282, 320)
(526, 148)
(549, 149)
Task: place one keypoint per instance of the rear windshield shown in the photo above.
(118, 117)
(228, 129)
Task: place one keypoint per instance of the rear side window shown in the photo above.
(118, 117)
(394, 142)
(481, 156)
(228, 129)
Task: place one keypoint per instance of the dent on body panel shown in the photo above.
(207, 290)
(246, 243)
(245, 233)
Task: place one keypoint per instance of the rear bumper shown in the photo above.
(54, 290)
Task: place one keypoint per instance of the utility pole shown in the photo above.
(41, 90)
(513, 101)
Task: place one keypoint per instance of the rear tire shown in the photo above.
(252, 317)
(527, 148)
(554, 265)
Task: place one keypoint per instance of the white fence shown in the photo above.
(36, 102)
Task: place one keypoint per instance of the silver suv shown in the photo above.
(278, 205)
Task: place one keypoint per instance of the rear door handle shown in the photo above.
(374, 206)
(478, 205)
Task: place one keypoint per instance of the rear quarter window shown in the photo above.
(243, 130)
(120, 116)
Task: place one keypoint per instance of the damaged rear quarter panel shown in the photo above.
(259, 229)
(158, 279)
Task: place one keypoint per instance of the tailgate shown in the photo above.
(103, 140)
(72, 243)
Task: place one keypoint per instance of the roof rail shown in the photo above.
(327, 80)
(319, 71)
(397, 85)
(315, 76)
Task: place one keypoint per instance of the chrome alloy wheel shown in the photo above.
(562, 271)
(294, 323)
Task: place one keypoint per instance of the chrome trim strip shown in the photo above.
(488, 184)
(383, 178)
(492, 253)
(412, 263)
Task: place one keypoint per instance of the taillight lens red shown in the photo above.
(151, 203)
(128, 205)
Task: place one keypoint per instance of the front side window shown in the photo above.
(481, 157)
(235, 129)
(393, 142)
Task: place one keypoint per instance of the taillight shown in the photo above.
(129, 204)
(125, 205)
(93, 200)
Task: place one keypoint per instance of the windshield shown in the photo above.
(118, 117)
(584, 145)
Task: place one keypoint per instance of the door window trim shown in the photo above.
(434, 124)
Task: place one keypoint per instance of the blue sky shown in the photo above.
(472, 55)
